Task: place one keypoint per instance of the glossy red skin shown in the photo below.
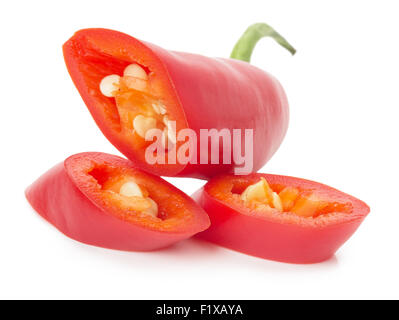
(59, 200)
(210, 92)
(263, 237)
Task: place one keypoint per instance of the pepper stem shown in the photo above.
(246, 44)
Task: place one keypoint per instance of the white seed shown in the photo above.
(165, 120)
(159, 108)
(277, 202)
(134, 70)
(109, 85)
(142, 124)
(261, 192)
(171, 129)
(130, 189)
(165, 138)
(153, 210)
(165, 141)
(172, 135)
(168, 138)
(254, 192)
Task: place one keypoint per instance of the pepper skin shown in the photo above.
(280, 236)
(199, 93)
(71, 197)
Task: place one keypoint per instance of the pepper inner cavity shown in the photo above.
(123, 190)
(139, 109)
(261, 196)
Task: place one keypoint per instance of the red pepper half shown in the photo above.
(279, 218)
(102, 200)
(196, 92)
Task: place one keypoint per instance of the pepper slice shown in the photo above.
(131, 86)
(102, 200)
(278, 217)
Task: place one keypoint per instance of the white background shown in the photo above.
(343, 90)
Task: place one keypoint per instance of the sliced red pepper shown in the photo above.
(92, 198)
(196, 91)
(289, 220)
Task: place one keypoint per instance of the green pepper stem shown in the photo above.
(246, 44)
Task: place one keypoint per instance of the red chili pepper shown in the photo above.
(195, 91)
(279, 218)
(102, 200)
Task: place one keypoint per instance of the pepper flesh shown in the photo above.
(315, 222)
(198, 92)
(82, 198)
